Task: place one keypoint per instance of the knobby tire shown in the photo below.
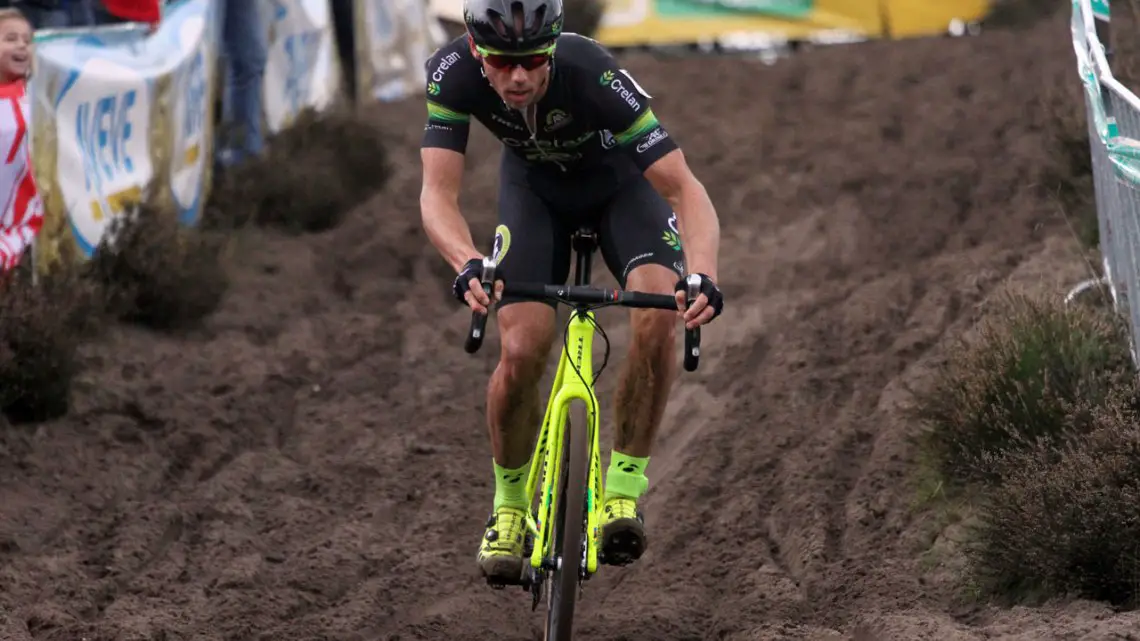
(563, 594)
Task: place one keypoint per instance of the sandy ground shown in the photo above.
(312, 464)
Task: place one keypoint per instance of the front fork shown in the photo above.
(567, 387)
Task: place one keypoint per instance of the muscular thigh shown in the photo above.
(531, 244)
(638, 227)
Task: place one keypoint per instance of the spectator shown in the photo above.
(22, 215)
(55, 14)
(120, 11)
(243, 46)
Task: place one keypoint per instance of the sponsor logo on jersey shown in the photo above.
(507, 123)
(548, 144)
(608, 140)
(616, 85)
(557, 119)
(444, 65)
(549, 150)
(654, 137)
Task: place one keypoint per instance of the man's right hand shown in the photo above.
(468, 287)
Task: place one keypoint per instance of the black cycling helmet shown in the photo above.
(494, 23)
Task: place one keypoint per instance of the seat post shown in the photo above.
(584, 242)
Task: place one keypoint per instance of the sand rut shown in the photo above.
(313, 463)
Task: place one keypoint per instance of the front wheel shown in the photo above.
(571, 525)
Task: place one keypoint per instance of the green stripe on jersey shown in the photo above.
(437, 111)
(644, 124)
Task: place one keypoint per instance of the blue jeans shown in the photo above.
(75, 13)
(244, 45)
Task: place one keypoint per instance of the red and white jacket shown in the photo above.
(22, 212)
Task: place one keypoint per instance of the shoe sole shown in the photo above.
(501, 572)
(623, 542)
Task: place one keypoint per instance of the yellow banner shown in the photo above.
(673, 22)
(629, 23)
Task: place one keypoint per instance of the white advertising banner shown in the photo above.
(194, 27)
(448, 9)
(301, 66)
(116, 112)
(393, 39)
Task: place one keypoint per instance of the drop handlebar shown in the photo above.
(584, 295)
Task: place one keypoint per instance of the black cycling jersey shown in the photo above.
(593, 112)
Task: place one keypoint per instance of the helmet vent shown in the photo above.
(500, 27)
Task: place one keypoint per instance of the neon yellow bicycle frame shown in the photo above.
(573, 381)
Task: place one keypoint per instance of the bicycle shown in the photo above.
(565, 452)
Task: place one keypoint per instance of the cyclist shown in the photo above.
(581, 146)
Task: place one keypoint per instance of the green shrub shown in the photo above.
(1066, 519)
(1032, 361)
(158, 273)
(1021, 14)
(311, 175)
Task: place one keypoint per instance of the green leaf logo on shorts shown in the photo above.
(433, 88)
(672, 239)
(607, 78)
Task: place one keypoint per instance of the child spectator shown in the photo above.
(21, 210)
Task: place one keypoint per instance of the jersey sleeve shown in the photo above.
(448, 119)
(623, 108)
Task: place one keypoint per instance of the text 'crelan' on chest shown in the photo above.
(444, 65)
(104, 129)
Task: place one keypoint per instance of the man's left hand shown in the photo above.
(706, 307)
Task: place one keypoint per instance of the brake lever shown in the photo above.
(479, 321)
(692, 336)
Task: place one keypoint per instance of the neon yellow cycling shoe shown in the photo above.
(623, 531)
(501, 552)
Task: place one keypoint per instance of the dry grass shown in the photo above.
(311, 176)
(158, 273)
(1033, 361)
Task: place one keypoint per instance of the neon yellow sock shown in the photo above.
(626, 476)
(510, 486)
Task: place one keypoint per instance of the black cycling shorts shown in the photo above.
(539, 213)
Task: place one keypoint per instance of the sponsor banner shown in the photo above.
(672, 22)
(393, 39)
(634, 23)
(194, 26)
(302, 69)
(119, 116)
(916, 18)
